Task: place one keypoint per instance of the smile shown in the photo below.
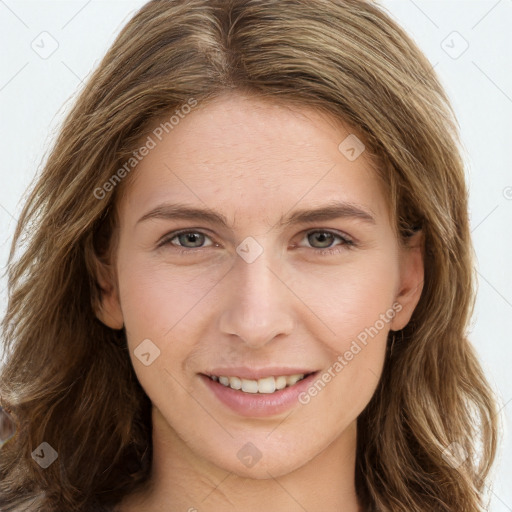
(260, 393)
(265, 385)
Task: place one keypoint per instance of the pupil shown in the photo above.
(322, 237)
(190, 237)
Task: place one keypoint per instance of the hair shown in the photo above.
(67, 378)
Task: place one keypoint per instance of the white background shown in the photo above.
(36, 92)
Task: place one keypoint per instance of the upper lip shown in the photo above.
(258, 373)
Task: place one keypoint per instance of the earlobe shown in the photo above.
(412, 273)
(108, 307)
(109, 312)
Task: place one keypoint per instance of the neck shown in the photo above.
(182, 481)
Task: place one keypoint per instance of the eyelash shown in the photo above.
(347, 243)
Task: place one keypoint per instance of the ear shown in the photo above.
(412, 274)
(108, 307)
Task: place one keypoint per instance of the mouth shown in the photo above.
(258, 393)
(265, 385)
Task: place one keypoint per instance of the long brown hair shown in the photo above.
(68, 380)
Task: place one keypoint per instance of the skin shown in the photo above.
(255, 161)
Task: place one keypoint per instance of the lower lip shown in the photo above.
(259, 404)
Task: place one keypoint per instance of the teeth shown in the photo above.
(281, 382)
(265, 385)
(293, 379)
(235, 383)
(249, 386)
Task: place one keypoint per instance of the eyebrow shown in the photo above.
(330, 211)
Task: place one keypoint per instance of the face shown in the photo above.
(265, 293)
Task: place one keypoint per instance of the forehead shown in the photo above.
(253, 155)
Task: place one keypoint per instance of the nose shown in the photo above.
(259, 304)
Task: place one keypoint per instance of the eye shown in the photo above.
(325, 240)
(194, 238)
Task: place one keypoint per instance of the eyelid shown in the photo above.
(335, 232)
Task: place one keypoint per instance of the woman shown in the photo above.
(307, 351)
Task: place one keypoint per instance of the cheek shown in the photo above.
(350, 297)
(156, 306)
(158, 299)
(356, 304)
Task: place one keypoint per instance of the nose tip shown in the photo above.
(258, 305)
